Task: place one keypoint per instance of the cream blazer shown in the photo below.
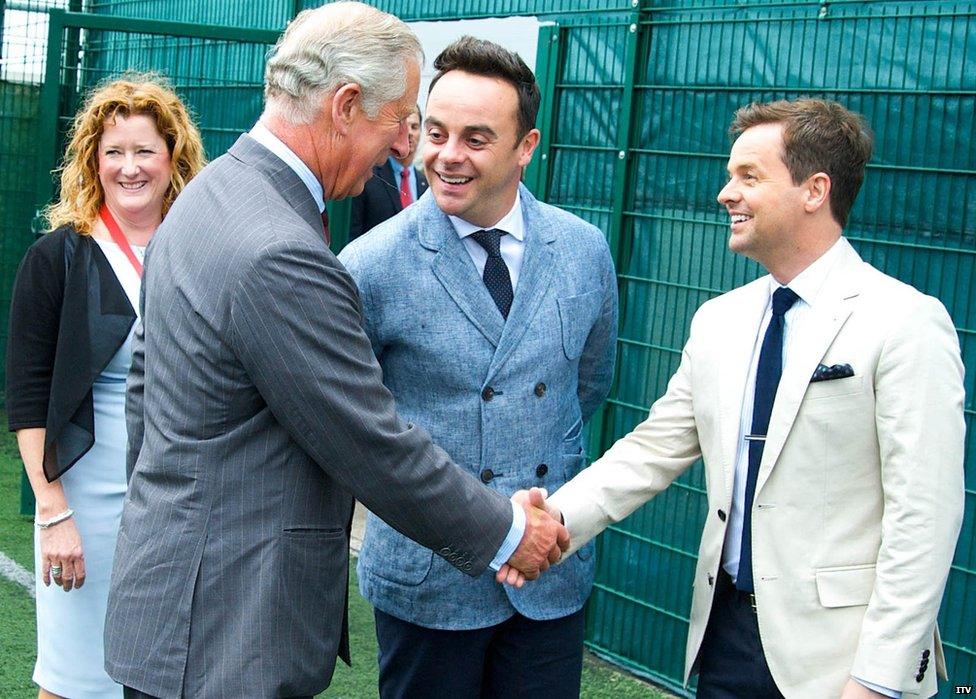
(860, 493)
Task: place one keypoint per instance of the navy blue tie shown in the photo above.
(496, 275)
(768, 373)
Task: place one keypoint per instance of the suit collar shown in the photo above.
(512, 223)
(433, 237)
(391, 189)
(830, 292)
(535, 277)
(286, 182)
(834, 305)
(269, 140)
(810, 282)
(453, 267)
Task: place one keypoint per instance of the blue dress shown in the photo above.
(70, 625)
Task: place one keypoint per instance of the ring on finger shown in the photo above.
(56, 571)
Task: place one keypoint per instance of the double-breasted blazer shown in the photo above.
(256, 411)
(380, 199)
(860, 492)
(507, 399)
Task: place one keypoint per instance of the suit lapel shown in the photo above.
(534, 279)
(453, 268)
(735, 345)
(392, 188)
(807, 348)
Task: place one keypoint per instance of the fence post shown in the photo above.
(547, 68)
(598, 430)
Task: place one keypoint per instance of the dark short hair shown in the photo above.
(818, 136)
(486, 58)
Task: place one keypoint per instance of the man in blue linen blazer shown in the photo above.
(507, 398)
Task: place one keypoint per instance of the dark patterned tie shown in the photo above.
(768, 373)
(325, 227)
(496, 275)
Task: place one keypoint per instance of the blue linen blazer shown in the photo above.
(506, 399)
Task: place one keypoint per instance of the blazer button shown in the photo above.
(487, 475)
(488, 393)
(541, 470)
(540, 389)
(721, 515)
(445, 551)
(919, 677)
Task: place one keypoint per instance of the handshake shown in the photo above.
(543, 543)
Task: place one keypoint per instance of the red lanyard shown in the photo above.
(119, 237)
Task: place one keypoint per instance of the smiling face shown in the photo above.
(766, 208)
(372, 141)
(473, 157)
(134, 167)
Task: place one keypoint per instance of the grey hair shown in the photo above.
(332, 45)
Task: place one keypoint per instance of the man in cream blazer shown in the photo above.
(857, 494)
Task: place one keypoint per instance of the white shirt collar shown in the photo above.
(808, 283)
(262, 135)
(512, 223)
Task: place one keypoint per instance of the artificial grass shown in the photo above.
(17, 642)
(16, 530)
(17, 630)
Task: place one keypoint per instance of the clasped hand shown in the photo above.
(543, 543)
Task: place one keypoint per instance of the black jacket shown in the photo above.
(380, 200)
(68, 317)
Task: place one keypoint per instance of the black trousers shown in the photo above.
(519, 657)
(731, 662)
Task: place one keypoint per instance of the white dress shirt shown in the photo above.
(511, 246)
(262, 135)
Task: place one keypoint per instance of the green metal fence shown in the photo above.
(639, 148)
(216, 70)
(637, 99)
(21, 73)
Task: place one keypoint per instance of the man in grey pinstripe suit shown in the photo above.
(256, 409)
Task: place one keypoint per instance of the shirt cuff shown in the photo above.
(893, 693)
(512, 540)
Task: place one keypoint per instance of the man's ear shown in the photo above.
(817, 192)
(527, 146)
(345, 103)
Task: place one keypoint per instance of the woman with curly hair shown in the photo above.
(133, 147)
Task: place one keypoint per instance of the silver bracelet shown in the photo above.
(56, 519)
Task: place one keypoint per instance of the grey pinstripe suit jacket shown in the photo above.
(256, 411)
